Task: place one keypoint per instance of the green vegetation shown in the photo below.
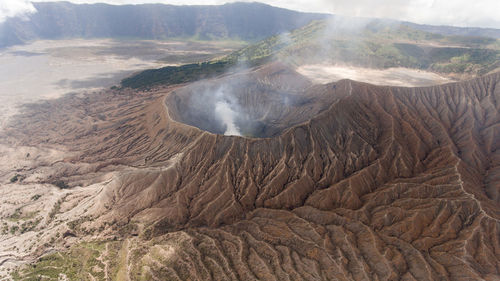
(61, 184)
(19, 215)
(81, 262)
(16, 215)
(128, 229)
(134, 258)
(176, 74)
(14, 229)
(29, 225)
(17, 228)
(16, 178)
(380, 46)
(5, 228)
(377, 45)
(55, 210)
(384, 46)
(76, 225)
(466, 61)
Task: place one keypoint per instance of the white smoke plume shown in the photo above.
(227, 110)
(224, 112)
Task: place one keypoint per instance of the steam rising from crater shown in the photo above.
(225, 112)
(216, 108)
(255, 103)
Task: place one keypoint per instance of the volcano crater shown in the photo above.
(254, 105)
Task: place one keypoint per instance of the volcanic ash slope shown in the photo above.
(349, 181)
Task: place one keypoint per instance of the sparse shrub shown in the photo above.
(128, 229)
(16, 215)
(55, 209)
(5, 229)
(61, 184)
(75, 225)
(14, 229)
(29, 225)
(15, 178)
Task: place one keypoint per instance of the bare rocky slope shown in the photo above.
(363, 183)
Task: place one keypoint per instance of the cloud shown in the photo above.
(483, 13)
(15, 8)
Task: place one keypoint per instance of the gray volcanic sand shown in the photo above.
(405, 77)
(50, 68)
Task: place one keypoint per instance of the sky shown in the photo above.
(469, 13)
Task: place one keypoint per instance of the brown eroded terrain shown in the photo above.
(364, 183)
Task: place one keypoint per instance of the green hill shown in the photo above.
(379, 45)
(374, 44)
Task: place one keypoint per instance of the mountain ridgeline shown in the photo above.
(243, 21)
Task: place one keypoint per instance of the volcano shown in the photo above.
(263, 103)
(339, 181)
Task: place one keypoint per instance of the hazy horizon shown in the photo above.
(481, 13)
